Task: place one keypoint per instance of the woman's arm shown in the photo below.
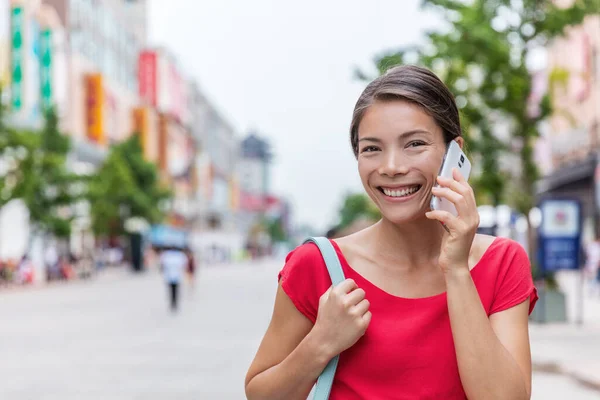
(289, 360)
(493, 354)
(494, 359)
(293, 352)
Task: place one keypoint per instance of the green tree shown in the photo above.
(125, 186)
(482, 56)
(356, 206)
(42, 180)
(14, 147)
(276, 231)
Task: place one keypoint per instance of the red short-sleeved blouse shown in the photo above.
(407, 351)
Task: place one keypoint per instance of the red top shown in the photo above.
(407, 351)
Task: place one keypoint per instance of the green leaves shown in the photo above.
(356, 206)
(125, 186)
(37, 174)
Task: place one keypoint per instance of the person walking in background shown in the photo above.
(191, 267)
(51, 261)
(173, 262)
(592, 266)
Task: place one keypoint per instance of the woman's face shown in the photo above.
(400, 152)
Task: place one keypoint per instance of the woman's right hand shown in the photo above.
(342, 318)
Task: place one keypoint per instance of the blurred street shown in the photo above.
(114, 338)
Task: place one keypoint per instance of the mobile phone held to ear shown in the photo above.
(454, 158)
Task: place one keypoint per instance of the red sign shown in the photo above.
(147, 72)
(252, 202)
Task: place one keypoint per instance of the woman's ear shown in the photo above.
(461, 141)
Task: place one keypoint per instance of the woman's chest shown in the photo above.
(408, 348)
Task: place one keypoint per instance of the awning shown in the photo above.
(567, 174)
(167, 236)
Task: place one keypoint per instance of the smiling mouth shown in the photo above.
(398, 193)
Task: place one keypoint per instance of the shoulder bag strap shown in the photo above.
(336, 273)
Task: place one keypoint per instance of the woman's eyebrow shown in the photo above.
(403, 135)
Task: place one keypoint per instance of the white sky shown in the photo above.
(285, 69)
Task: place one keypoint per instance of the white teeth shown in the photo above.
(400, 193)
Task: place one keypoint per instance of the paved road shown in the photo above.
(113, 338)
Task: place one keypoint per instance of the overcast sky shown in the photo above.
(285, 69)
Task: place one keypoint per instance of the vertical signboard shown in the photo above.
(147, 77)
(94, 102)
(234, 194)
(46, 69)
(17, 17)
(560, 234)
(140, 126)
(162, 142)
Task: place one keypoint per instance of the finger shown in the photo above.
(345, 287)
(458, 176)
(446, 218)
(355, 296)
(462, 205)
(458, 187)
(362, 307)
(326, 294)
(367, 318)
(447, 193)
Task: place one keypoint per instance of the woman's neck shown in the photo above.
(413, 244)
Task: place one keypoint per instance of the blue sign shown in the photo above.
(560, 234)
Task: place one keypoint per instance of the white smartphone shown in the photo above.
(454, 158)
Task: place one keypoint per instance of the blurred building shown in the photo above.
(259, 207)
(216, 235)
(102, 43)
(4, 48)
(254, 173)
(90, 59)
(569, 149)
(163, 120)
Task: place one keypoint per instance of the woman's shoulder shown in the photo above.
(501, 251)
(304, 259)
(304, 278)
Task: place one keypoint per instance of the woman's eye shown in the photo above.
(416, 143)
(369, 149)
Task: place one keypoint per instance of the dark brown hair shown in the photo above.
(416, 85)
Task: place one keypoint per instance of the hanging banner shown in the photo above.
(94, 102)
(46, 69)
(140, 126)
(17, 17)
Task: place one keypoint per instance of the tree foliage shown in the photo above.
(37, 174)
(125, 186)
(276, 231)
(356, 206)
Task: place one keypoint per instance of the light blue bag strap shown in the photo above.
(336, 273)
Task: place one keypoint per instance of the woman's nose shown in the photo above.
(392, 164)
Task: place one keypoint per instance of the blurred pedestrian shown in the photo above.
(51, 260)
(25, 270)
(191, 268)
(592, 266)
(428, 309)
(174, 262)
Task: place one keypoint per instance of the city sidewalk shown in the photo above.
(570, 349)
(106, 273)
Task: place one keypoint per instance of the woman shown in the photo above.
(429, 309)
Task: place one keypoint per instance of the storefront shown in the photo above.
(579, 180)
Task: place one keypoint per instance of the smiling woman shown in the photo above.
(429, 309)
